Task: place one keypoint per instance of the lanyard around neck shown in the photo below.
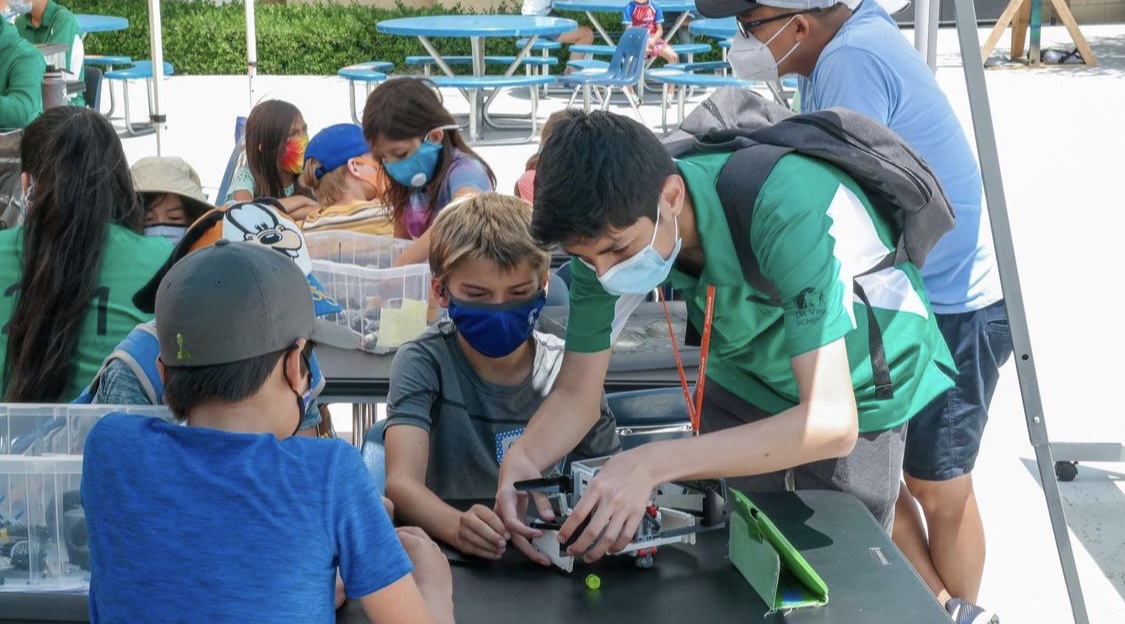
(695, 408)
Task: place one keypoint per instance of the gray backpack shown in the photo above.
(897, 182)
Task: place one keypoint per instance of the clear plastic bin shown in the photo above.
(387, 306)
(366, 250)
(43, 540)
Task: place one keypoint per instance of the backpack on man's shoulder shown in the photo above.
(896, 180)
(899, 184)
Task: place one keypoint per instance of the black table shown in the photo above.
(868, 580)
(363, 379)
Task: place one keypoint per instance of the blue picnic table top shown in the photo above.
(616, 6)
(719, 28)
(477, 26)
(100, 23)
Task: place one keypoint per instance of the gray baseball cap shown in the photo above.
(230, 302)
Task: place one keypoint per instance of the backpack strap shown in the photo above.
(739, 184)
(139, 351)
(880, 371)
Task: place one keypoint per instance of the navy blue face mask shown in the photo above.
(496, 330)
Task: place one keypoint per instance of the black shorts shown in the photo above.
(871, 472)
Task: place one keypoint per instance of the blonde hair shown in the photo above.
(486, 226)
(329, 188)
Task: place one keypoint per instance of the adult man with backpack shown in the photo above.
(793, 391)
(852, 55)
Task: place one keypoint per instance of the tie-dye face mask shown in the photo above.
(293, 158)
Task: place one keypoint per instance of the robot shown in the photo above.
(676, 512)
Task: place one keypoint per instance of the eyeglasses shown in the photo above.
(746, 27)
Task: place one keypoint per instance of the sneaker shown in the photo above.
(965, 612)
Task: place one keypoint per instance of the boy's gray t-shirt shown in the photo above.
(471, 421)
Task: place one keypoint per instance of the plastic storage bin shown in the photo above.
(43, 540)
(366, 250)
(387, 306)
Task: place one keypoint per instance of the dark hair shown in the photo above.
(194, 209)
(596, 170)
(267, 131)
(82, 184)
(408, 108)
(188, 387)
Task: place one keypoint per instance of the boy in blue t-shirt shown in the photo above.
(648, 14)
(232, 517)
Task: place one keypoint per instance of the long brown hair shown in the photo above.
(267, 131)
(408, 108)
(81, 185)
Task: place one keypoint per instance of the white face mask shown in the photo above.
(751, 59)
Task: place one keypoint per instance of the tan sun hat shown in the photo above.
(170, 174)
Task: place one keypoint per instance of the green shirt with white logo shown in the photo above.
(813, 231)
(129, 261)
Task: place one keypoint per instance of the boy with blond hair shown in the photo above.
(463, 391)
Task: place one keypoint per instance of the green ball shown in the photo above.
(593, 582)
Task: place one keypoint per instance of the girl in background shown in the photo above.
(348, 182)
(69, 273)
(171, 194)
(421, 149)
(525, 185)
(276, 136)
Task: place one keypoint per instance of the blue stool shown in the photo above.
(370, 74)
(141, 70)
(544, 47)
(107, 63)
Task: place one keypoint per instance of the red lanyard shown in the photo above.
(695, 408)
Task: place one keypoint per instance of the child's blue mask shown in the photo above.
(496, 330)
(417, 170)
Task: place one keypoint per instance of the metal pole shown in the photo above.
(251, 49)
(926, 16)
(1013, 295)
(157, 43)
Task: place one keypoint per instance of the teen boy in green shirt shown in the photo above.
(46, 21)
(790, 388)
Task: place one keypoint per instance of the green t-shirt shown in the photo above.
(128, 263)
(59, 25)
(812, 231)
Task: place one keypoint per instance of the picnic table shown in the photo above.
(478, 88)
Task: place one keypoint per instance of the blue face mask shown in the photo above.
(416, 170)
(316, 384)
(20, 6)
(171, 232)
(643, 271)
(496, 330)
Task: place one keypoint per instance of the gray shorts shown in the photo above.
(871, 472)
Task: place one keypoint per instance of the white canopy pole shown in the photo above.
(927, 13)
(251, 49)
(155, 116)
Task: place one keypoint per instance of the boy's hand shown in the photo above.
(482, 533)
(511, 505)
(616, 499)
(431, 572)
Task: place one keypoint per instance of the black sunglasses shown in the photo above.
(746, 27)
